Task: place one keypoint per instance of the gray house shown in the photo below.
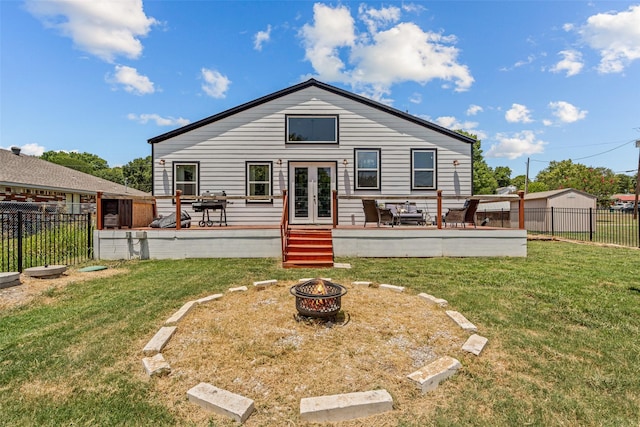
(310, 139)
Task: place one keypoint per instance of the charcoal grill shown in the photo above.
(318, 298)
(205, 205)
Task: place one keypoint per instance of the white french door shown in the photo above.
(311, 185)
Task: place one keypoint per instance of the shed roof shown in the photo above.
(555, 193)
(30, 171)
(301, 86)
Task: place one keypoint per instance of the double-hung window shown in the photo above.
(423, 169)
(259, 180)
(312, 129)
(367, 169)
(186, 177)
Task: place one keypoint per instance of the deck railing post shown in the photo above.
(178, 210)
(334, 195)
(99, 223)
(439, 210)
(521, 210)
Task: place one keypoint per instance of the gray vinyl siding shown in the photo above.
(258, 134)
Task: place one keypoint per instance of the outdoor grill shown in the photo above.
(318, 298)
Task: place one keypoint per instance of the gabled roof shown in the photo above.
(301, 86)
(555, 193)
(28, 171)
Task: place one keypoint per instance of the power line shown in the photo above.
(592, 155)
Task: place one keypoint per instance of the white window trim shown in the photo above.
(196, 180)
(249, 182)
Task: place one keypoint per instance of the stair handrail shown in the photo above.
(284, 224)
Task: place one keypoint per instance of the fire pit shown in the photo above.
(318, 298)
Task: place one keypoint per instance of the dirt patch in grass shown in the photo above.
(249, 343)
(32, 288)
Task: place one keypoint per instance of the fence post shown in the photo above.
(591, 224)
(334, 196)
(552, 223)
(89, 237)
(20, 241)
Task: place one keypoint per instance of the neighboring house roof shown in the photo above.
(624, 197)
(301, 86)
(28, 171)
(555, 193)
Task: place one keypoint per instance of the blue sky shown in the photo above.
(544, 80)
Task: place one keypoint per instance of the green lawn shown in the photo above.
(563, 327)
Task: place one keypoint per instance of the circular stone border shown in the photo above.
(426, 378)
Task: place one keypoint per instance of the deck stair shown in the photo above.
(308, 248)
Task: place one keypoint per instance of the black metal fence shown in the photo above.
(593, 225)
(42, 235)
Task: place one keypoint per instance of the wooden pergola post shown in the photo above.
(99, 222)
(178, 210)
(521, 210)
(439, 210)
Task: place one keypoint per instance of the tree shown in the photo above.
(484, 181)
(137, 174)
(600, 182)
(625, 183)
(83, 162)
(502, 175)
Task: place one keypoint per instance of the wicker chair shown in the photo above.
(464, 215)
(372, 213)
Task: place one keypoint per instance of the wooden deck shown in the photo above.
(348, 241)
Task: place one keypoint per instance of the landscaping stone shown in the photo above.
(475, 344)
(437, 301)
(9, 279)
(343, 407)
(393, 288)
(430, 376)
(461, 321)
(178, 315)
(341, 265)
(156, 366)
(361, 283)
(45, 272)
(239, 289)
(265, 283)
(159, 340)
(209, 298)
(221, 401)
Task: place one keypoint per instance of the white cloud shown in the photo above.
(616, 35)
(416, 98)
(103, 28)
(518, 114)
(450, 122)
(159, 120)
(131, 80)
(215, 84)
(566, 112)
(261, 37)
(516, 145)
(374, 18)
(571, 63)
(474, 109)
(375, 59)
(31, 149)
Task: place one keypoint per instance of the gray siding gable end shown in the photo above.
(301, 86)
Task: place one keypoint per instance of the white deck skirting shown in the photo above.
(348, 242)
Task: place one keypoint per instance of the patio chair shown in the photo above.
(464, 215)
(372, 213)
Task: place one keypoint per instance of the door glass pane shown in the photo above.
(301, 196)
(324, 192)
